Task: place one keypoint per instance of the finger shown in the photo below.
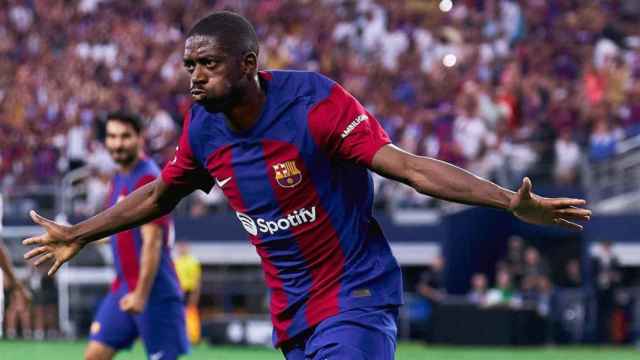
(525, 188)
(55, 267)
(43, 258)
(567, 202)
(573, 213)
(36, 240)
(35, 252)
(39, 219)
(568, 224)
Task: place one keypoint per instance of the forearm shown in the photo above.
(445, 181)
(149, 259)
(194, 296)
(6, 266)
(143, 205)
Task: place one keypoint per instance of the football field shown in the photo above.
(63, 350)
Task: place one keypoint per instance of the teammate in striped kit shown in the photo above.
(291, 151)
(145, 298)
(21, 293)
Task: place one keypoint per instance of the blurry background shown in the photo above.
(503, 88)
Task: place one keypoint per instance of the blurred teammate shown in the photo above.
(20, 296)
(190, 275)
(145, 298)
(291, 151)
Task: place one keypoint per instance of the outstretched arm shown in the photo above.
(61, 242)
(445, 181)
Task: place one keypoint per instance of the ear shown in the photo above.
(249, 63)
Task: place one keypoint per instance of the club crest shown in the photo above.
(287, 174)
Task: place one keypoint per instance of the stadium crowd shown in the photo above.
(502, 88)
(525, 279)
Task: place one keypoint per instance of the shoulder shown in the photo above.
(149, 167)
(301, 83)
(147, 171)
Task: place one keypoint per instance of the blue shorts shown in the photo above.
(357, 334)
(161, 327)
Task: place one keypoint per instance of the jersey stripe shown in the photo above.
(218, 165)
(128, 255)
(318, 240)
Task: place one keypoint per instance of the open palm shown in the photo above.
(55, 244)
(539, 210)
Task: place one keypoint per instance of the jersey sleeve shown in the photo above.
(184, 171)
(343, 128)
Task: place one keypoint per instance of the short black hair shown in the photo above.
(232, 30)
(127, 118)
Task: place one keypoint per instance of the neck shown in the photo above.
(127, 168)
(244, 114)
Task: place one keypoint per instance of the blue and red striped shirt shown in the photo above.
(299, 184)
(127, 245)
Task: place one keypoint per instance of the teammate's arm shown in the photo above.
(7, 268)
(61, 242)
(445, 181)
(135, 301)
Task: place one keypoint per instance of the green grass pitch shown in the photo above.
(64, 350)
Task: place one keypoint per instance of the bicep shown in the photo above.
(394, 163)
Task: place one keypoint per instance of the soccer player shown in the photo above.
(19, 291)
(145, 298)
(291, 151)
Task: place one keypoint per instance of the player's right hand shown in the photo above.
(55, 244)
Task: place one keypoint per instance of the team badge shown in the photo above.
(287, 174)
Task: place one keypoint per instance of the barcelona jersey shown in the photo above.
(126, 246)
(299, 184)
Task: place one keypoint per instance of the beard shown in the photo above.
(214, 104)
(123, 158)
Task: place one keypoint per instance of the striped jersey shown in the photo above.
(127, 245)
(299, 184)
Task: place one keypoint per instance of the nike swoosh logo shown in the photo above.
(223, 182)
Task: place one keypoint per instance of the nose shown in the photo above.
(198, 76)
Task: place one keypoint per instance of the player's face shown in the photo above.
(122, 142)
(216, 79)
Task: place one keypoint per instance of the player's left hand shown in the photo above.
(539, 210)
(132, 303)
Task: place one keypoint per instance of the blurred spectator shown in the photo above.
(77, 144)
(567, 158)
(189, 272)
(573, 274)
(161, 132)
(431, 288)
(45, 304)
(503, 292)
(431, 284)
(533, 264)
(545, 290)
(479, 288)
(607, 275)
(515, 257)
